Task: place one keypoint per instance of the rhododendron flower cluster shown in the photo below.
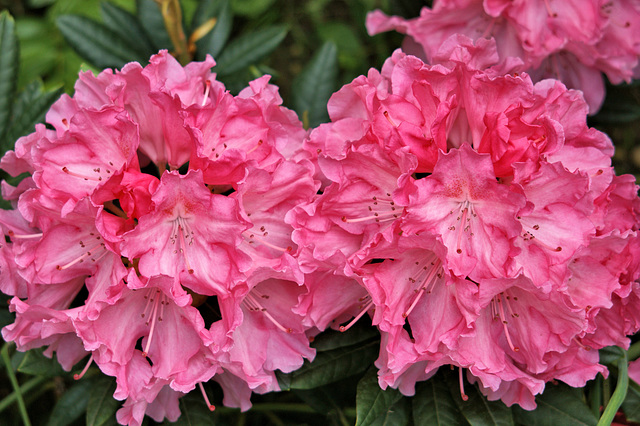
(572, 41)
(480, 223)
(173, 234)
(150, 234)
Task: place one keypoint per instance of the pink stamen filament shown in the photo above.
(70, 173)
(115, 210)
(549, 10)
(253, 305)
(266, 243)
(84, 370)
(386, 115)
(427, 284)
(504, 324)
(207, 87)
(461, 227)
(81, 258)
(206, 398)
(255, 147)
(487, 31)
(24, 236)
(376, 216)
(344, 328)
(461, 381)
(183, 248)
(586, 348)
(157, 297)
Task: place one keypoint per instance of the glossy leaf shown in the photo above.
(398, 415)
(371, 401)
(558, 405)
(128, 27)
(30, 108)
(249, 49)
(9, 63)
(313, 87)
(35, 363)
(215, 40)
(434, 405)
(332, 339)
(631, 404)
(72, 404)
(331, 366)
(477, 410)
(101, 407)
(194, 412)
(150, 17)
(96, 43)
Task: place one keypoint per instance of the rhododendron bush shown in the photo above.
(450, 245)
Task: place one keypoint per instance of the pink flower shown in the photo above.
(573, 41)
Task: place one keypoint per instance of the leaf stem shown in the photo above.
(595, 396)
(16, 385)
(619, 394)
(172, 16)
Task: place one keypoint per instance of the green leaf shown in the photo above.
(71, 405)
(631, 404)
(249, 49)
(371, 401)
(332, 339)
(96, 43)
(127, 25)
(313, 87)
(150, 17)
(9, 63)
(194, 412)
(214, 41)
(35, 363)
(477, 409)
(331, 366)
(398, 415)
(434, 405)
(101, 408)
(558, 405)
(30, 108)
(251, 8)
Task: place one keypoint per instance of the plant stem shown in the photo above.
(172, 16)
(619, 394)
(16, 385)
(595, 396)
(25, 388)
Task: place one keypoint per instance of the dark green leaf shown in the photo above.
(101, 408)
(477, 409)
(558, 405)
(398, 415)
(96, 43)
(371, 401)
(71, 405)
(9, 63)
(609, 355)
(150, 17)
(127, 25)
(34, 362)
(313, 87)
(249, 49)
(30, 108)
(434, 405)
(331, 366)
(194, 412)
(214, 41)
(251, 8)
(332, 339)
(631, 404)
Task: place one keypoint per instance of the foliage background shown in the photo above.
(323, 42)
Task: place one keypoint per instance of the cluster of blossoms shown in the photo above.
(177, 234)
(480, 220)
(570, 40)
(151, 235)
